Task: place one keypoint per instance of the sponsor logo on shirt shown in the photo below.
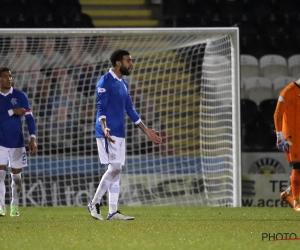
(101, 90)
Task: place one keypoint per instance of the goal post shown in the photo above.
(185, 84)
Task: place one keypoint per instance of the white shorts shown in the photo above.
(111, 152)
(13, 157)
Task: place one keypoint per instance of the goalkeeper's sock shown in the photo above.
(2, 189)
(16, 185)
(287, 196)
(295, 182)
(290, 200)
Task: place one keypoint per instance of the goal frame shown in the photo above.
(232, 32)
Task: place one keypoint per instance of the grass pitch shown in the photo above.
(156, 228)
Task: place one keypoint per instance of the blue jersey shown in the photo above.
(113, 100)
(11, 134)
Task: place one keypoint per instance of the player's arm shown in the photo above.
(102, 101)
(32, 146)
(5, 114)
(151, 133)
(106, 130)
(278, 114)
(282, 143)
(131, 112)
(30, 125)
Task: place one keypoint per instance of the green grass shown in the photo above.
(153, 228)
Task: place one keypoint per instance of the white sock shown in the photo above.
(2, 189)
(107, 181)
(114, 192)
(101, 190)
(16, 185)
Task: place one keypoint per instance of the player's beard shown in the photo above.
(5, 86)
(124, 71)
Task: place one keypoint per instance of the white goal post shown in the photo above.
(185, 84)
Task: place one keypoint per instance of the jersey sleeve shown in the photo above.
(129, 108)
(282, 104)
(31, 125)
(28, 116)
(102, 98)
(131, 112)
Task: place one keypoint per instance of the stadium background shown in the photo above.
(269, 29)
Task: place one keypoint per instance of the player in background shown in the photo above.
(287, 122)
(113, 100)
(13, 105)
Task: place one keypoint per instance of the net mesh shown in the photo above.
(182, 85)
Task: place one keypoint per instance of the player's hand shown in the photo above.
(19, 111)
(282, 143)
(153, 135)
(107, 135)
(32, 146)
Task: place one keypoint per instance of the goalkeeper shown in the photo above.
(113, 100)
(13, 105)
(287, 122)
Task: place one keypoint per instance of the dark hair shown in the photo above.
(118, 56)
(4, 69)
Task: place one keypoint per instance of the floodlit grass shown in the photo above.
(156, 228)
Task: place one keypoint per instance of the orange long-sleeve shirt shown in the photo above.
(287, 119)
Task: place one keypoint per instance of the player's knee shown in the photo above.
(116, 168)
(16, 179)
(15, 170)
(296, 165)
(3, 167)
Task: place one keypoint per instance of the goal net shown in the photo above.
(185, 84)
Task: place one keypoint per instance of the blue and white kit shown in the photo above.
(113, 100)
(11, 135)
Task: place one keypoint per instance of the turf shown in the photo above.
(153, 228)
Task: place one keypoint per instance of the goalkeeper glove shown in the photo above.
(282, 143)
